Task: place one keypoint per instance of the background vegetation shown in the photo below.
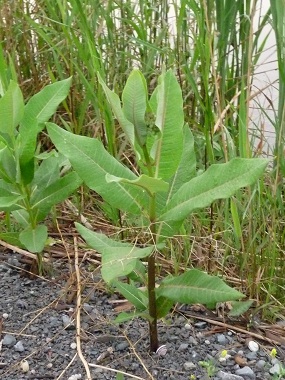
(214, 47)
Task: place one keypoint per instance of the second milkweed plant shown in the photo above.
(164, 193)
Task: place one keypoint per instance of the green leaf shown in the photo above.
(187, 166)
(38, 110)
(120, 376)
(22, 217)
(92, 162)
(163, 305)
(9, 202)
(139, 273)
(47, 173)
(186, 170)
(11, 110)
(239, 308)
(8, 165)
(34, 239)
(43, 105)
(236, 220)
(218, 182)
(26, 144)
(134, 295)
(9, 198)
(125, 317)
(195, 286)
(168, 104)
(150, 184)
(118, 259)
(12, 238)
(115, 103)
(134, 99)
(55, 193)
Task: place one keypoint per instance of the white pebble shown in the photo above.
(25, 366)
(77, 376)
(188, 326)
(253, 346)
(73, 346)
(5, 315)
(207, 342)
(162, 350)
(49, 365)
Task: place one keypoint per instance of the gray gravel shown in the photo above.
(40, 329)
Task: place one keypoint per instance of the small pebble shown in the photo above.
(188, 326)
(67, 322)
(75, 377)
(189, 365)
(49, 365)
(19, 346)
(73, 345)
(261, 364)
(21, 304)
(221, 339)
(5, 315)
(87, 307)
(251, 355)
(122, 346)
(24, 366)
(9, 340)
(207, 342)
(228, 376)
(253, 346)
(200, 325)
(183, 346)
(246, 372)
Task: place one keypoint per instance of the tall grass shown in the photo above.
(214, 46)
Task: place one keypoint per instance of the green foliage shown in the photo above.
(30, 184)
(166, 193)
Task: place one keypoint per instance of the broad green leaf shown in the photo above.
(43, 105)
(92, 162)
(47, 173)
(186, 170)
(118, 259)
(9, 202)
(12, 238)
(134, 99)
(195, 286)
(26, 146)
(150, 184)
(22, 217)
(115, 103)
(218, 182)
(134, 295)
(11, 110)
(8, 165)
(239, 307)
(187, 166)
(55, 193)
(34, 239)
(170, 121)
(163, 305)
(139, 273)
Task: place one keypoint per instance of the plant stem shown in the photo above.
(153, 335)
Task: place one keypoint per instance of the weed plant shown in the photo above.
(214, 48)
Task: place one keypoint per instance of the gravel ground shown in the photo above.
(38, 328)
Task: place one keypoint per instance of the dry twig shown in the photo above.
(78, 308)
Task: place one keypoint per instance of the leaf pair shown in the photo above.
(29, 185)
